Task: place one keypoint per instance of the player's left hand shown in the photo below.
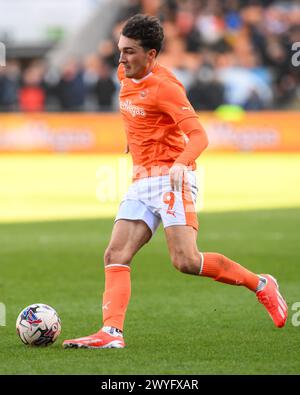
(178, 174)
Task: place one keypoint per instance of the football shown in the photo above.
(38, 325)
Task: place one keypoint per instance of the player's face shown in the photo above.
(137, 62)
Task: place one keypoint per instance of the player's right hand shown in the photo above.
(178, 174)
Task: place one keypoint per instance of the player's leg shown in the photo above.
(181, 225)
(128, 236)
(186, 258)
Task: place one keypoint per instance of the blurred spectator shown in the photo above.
(9, 85)
(32, 93)
(223, 51)
(185, 25)
(151, 7)
(105, 87)
(206, 92)
(244, 88)
(131, 8)
(108, 49)
(71, 89)
(91, 66)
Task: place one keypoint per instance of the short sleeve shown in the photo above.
(172, 100)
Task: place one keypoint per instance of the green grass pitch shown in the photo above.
(53, 232)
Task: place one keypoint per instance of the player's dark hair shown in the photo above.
(147, 29)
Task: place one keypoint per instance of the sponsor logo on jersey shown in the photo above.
(132, 109)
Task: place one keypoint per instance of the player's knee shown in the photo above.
(116, 256)
(186, 263)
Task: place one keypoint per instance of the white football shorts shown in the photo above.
(152, 200)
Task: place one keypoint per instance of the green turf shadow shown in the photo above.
(176, 324)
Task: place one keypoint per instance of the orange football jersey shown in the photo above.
(152, 108)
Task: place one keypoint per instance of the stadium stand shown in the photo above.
(224, 52)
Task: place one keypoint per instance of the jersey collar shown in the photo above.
(142, 79)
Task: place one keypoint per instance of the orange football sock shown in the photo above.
(116, 295)
(227, 271)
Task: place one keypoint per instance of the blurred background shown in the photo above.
(62, 54)
(59, 94)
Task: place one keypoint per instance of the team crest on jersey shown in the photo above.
(144, 94)
(132, 109)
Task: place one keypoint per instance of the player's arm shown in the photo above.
(197, 143)
(173, 101)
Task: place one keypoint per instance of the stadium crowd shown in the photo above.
(223, 51)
